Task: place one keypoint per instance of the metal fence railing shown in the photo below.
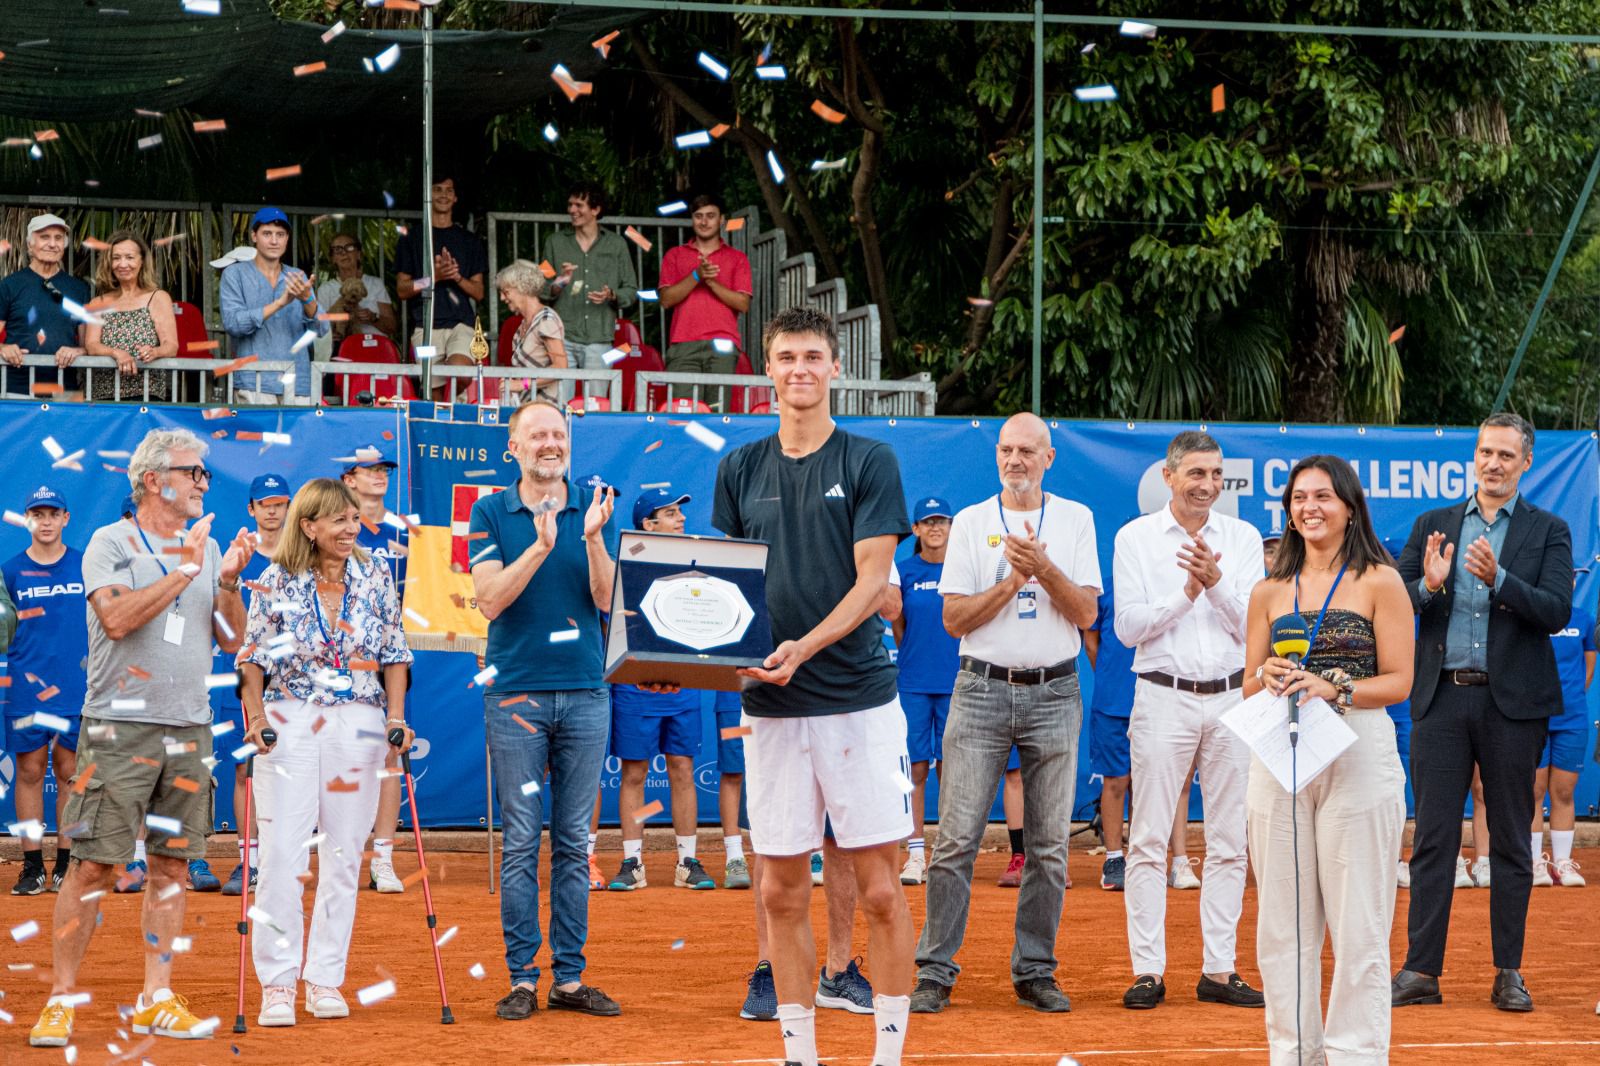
(913, 398)
(95, 378)
(475, 384)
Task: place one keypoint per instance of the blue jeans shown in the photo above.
(986, 718)
(569, 738)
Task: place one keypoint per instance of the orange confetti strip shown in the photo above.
(46, 135)
(256, 586)
(141, 674)
(95, 244)
(637, 238)
(211, 125)
(339, 784)
(212, 413)
(523, 722)
(388, 434)
(237, 364)
(219, 434)
(604, 43)
(142, 761)
(81, 782)
(177, 842)
(49, 693)
(719, 129)
(310, 68)
(278, 173)
(316, 727)
(401, 5)
(371, 527)
(648, 810)
(5, 682)
(246, 434)
(735, 224)
(204, 346)
(511, 701)
(826, 113)
(1400, 331)
(734, 732)
(46, 388)
(364, 664)
(411, 879)
(333, 316)
(651, 447)
(1219, 98)
(546, 269)
(185, 783)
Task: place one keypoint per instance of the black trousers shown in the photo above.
(1463, 728)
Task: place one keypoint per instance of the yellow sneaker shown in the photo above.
(54, 1028)
(169, 1016)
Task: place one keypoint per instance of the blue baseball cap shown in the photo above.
(266, 215)
(269, 487)
(932, 507)
(595, 481)
(45, 496)
(652, 500)
(370, 455)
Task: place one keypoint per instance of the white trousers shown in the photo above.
(1165, 732)
(316, 745)
(1350, 820)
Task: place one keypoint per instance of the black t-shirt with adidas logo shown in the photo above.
(812, 511)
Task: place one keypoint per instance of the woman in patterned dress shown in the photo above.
(540, 340)
(138, 324)
(325, 624)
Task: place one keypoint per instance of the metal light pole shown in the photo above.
(427, 193)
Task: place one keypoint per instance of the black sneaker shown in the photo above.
(1042, 994)
(518, 1004)
(929, 997)
(1235, 993)
(30, 882)
(584, 1000)
(1146, 993)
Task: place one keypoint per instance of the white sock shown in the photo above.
(1114, 854)
(384, 849)
(1561, 843)
(686, 846)
(138, 851)
(161, 996)
(914, 846)
(631, 849)
(733, 846)
(593, 837)
(1538, 839)
(798, 1023)
(890, 1014)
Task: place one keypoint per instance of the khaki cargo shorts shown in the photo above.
(129, 770)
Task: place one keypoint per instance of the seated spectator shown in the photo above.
(540, 340)
(31, 305)
(597, 278)
(267, 308)
(708, 283)
(351, 292)
(456, 279)
(138, 325)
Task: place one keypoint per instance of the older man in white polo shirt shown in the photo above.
(1183, 576)
(1021, 577)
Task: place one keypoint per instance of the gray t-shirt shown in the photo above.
(169, 678)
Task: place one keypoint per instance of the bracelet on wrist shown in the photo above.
(1431, 590)
(229, 586)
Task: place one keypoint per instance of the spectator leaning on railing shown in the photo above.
(268, 308)
(136, 321)
(596, 277)
(32, 305)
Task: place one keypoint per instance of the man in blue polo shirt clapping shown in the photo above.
(541, 575)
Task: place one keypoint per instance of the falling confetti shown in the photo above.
(773, 73)
(384, 61)
(551, 134)
(776, 167)
(279, 173)
(702, 435)
(734, 732)
(310, 68)
(150, 141)
(826, 113)
(648, 810)
(1095, 93)
(710, 63)
(695, 139)
(603, 45)
(637, 238)
(676, 207)
(1394, 337)
(1137, 29)
(333, 31)
(374, 993)
(1219, 98)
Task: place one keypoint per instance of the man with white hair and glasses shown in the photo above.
(33, 305)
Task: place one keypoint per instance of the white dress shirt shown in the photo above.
(1200, 639)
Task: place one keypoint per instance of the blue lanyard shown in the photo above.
(152, 551)
(344, 610)
(1312, 643)
(1038, 530)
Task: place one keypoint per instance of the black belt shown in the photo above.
(1466, 677)
(1017, 675)
(1199, 688)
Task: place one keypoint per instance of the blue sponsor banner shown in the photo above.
(1113, 468)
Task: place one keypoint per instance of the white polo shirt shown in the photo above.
(1030, 631)
(1200, 639)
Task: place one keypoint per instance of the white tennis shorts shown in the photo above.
(850, 768)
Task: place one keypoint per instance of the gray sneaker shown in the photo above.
(845, 990)
(736, 874)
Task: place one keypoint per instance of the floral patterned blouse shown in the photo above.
(325, 660)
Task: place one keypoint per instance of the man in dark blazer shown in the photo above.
(1485, 687)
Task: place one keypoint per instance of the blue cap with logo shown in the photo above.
(370, 455)
(592, 482)
(269, 487)
(652, 500)
(932, 507)
(45, 496)
(266, 215)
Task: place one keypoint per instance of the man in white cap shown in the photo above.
(33, 305)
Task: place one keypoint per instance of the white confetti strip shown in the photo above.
(56, 451)
(244, 751)
(15, 519)
(711, 63)
(486, 675)
(205, 1027)
(180, 944)
(314, 841)
(162, 823)
(530, 787)
(57, 724)
(723, 345)
(702, 435)
(476, 970)
(649, 295)
(385, 60)
(127, 705)
(306, 339)
(277, 438)
(902, 782)
(147, 142)
(202, 7)
(676, 207)
(222, 681)
(564, 635)
(75, 999)
(90, 897)
(448, 935)
(333, 31)
(776, 167)
(32, 829)
(772, 73)
(612, 358)
(417, 618)
(1095, 93)
(1130, 28)
(696, 139)
(677, 945)
(374, 993)
(551, 134)
(26, 930)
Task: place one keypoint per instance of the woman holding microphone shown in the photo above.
(1333, 579)
(326, 626)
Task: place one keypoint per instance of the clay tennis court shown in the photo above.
(681, 1005)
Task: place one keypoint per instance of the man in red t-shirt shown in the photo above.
(709, 284)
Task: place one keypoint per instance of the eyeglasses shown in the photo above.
(337, 248)
(197, 474)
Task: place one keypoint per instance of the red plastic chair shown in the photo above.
(371, 348)
(588, 403)
(502, 346)
(193, 341)
(685, 406)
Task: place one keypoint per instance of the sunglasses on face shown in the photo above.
(197, 474)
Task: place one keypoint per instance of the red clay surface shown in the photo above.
(681, 1006)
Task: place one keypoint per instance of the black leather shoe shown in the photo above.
(1043, 994)
(1509, 992)
(929, 996)
(1146, 992)
(1234, 992)
(520, 1003)
(1410, 989)
(584, 1000)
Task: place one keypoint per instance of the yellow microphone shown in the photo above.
(1291, 641)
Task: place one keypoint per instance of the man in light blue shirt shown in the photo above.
(270, 311)
(1466, 642)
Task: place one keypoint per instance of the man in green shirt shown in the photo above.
(596, 278)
